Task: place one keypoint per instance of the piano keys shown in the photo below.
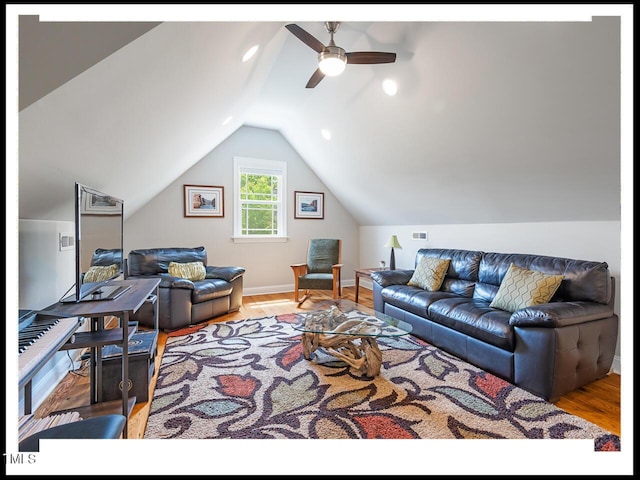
(39, 338)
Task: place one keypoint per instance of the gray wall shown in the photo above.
(161, 223)
(44, 275)
(44, 272)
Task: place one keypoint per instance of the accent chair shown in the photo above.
(322, 269)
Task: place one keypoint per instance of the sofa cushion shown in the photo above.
(98, 273)
(463, 269)
(430, 273)
(107, 256)
(458, 286)
(193, 271)
(205, 290)
(475, 318)
(583, 280)
(152, 261)
(521, 288)
(413, 299)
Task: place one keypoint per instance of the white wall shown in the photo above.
(594, 241)
(44, 275)
(161, 223)
(45, 272)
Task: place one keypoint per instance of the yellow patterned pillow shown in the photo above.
(430, 273)
(100, 273)
(521, 288)
(191, 271)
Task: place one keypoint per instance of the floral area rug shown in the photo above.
(248, 379)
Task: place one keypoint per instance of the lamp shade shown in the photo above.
(393, 242)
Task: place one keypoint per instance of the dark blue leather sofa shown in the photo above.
(548, 349)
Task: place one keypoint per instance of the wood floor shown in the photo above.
(598, 402)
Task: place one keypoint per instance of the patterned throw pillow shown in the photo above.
(430, 273)
(193, 271)
(521, 288)
(100, 273)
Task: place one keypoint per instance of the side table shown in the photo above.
(364, 273)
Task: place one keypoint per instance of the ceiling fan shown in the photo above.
(332, 59)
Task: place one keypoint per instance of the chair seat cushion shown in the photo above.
(316, 281)
(108, 426)
(210, 288)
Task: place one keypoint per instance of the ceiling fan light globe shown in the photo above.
(332, 61)
(332, 66)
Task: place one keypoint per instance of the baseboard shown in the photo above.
(616, 366)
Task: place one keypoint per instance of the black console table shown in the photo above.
(122, 307)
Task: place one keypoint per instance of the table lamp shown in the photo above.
(393, 243)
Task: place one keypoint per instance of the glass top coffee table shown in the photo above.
(349, 336)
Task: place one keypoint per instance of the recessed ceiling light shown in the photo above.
(390, 87)
(326, 134)
(250, 53)
(227, 120)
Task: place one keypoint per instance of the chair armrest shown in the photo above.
(167, 281)
(299, 269)
(336, 268)
(228, 274)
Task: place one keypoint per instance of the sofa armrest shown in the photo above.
(167, 281)
(385, 278)
(224, 273)
(560, 314)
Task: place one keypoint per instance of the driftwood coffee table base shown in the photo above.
(364, 356)
(350, 337)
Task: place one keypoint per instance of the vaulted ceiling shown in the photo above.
(494, 121)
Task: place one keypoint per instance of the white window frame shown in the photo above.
(271, 167)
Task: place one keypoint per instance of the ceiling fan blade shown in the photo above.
(306, 37)
(315, 78)
(370, 57)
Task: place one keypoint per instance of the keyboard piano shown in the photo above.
(39, 338)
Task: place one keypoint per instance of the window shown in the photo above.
(260, 206)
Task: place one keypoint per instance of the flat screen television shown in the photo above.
(99, 231)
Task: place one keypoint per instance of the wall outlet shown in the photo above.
(66, 241)
(419, 236)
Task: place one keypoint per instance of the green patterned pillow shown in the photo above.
(191, 271)
(521, 288)
(100, 273)
(430, 273)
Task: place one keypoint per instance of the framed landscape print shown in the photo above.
(94, 204)
(203, 201)
(309, 205)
